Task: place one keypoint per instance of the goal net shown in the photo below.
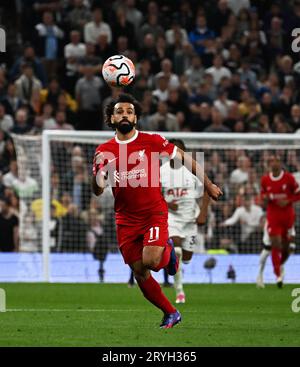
(74, 228)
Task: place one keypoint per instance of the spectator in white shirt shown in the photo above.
(241, 173)
(250, 216)
(166, 70)
(218, 71)
(75, 48)
(11, 175)
(223, 104)
(161, 93)
(96, 27)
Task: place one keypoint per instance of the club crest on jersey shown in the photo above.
(141, 155)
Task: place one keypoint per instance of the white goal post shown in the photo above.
(236, 161)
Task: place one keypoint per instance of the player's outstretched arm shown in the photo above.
(213, 190)
(201, 220)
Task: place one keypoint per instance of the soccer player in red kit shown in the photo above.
(130, 162)
(279, 190)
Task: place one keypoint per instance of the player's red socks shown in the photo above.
(276, 260)
(165, 258)
(152, 291)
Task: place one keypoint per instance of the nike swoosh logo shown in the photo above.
(152, 240)
(111, 160)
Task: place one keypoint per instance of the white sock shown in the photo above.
(178, 276)
(262, 260)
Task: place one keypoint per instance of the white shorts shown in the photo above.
(192, 240)
(266, 237)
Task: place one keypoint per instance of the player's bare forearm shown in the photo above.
(213, 190)
(97, 190)
(203, 209)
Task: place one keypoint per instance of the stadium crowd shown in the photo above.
(201, 66)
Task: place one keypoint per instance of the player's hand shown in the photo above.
(214, 192)
(173, 205)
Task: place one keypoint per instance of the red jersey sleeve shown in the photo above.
(163, 146)
(295, 188)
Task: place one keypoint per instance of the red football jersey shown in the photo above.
(283, 187)
(133, 172)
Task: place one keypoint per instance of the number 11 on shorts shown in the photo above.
(154, 231)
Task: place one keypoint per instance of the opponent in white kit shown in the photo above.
(182, 191)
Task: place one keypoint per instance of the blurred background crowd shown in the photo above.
(201, 66)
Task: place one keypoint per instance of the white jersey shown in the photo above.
(183, 187)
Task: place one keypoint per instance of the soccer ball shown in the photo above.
(118, 71)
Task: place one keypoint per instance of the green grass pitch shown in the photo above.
(113, 315)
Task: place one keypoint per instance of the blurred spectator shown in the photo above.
(49, 46)
(294, 120)
(220, 16)
(151, 26)
(218, 71)
(93, 29)
(134, 15)
(47, 116)
(25, 186)
(195, 72)
(161, 93)
(79, 15)
(76, 184)
(177, 106)
(250, 218)
(217, 124)
(27, 84)
(9, 228)
(162, 120)
(241, 173)
(248, 77)
(95, 242)
(237, 5)
(201, 116)
(21, 125)
(200, 35)
(222, 103)
(53, 95)
(88, 96)
(73, 52)
(6, 121)
(122, 27)
(72, 232)
(61, 123)
(11, 101)
(11, 175)
(175, 29)
(29, 57)
(166, 71)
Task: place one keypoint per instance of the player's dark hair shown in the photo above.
(123, 98)
(179, 143)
